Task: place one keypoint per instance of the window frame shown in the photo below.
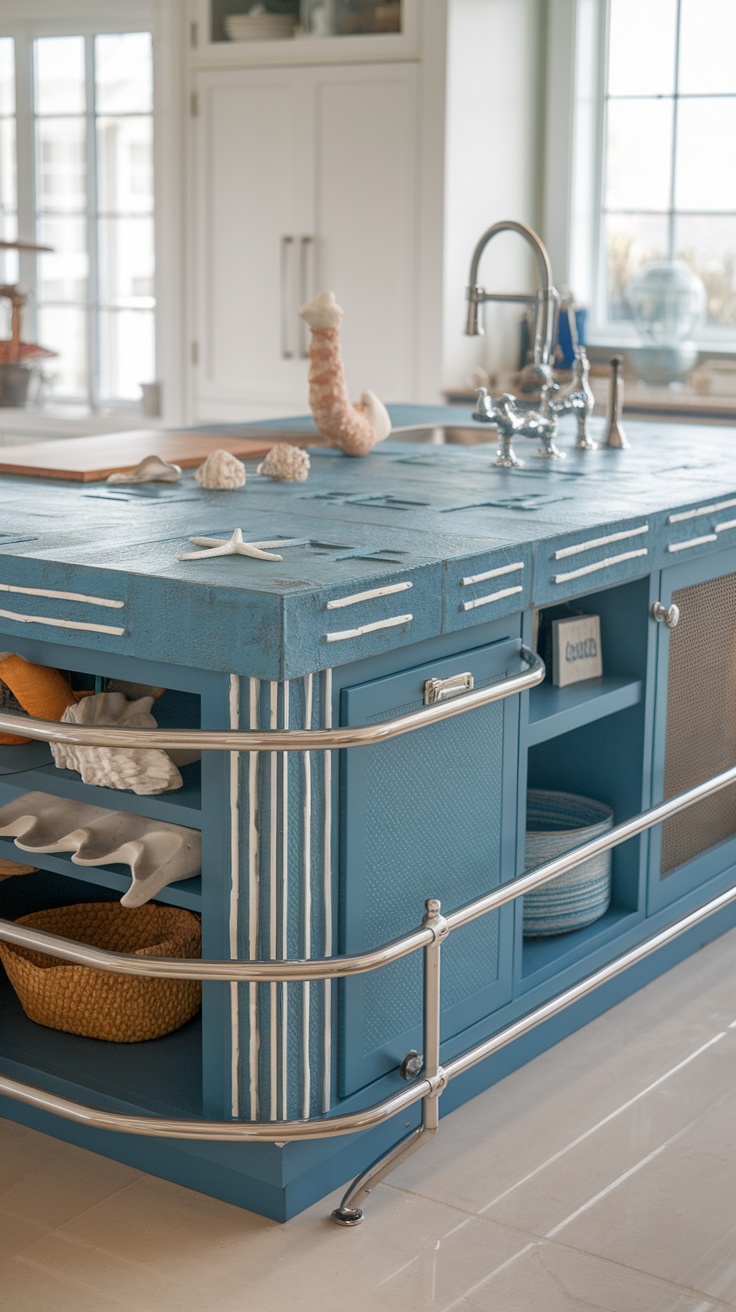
(574, 177)
(26, 20)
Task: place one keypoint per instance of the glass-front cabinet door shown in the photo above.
(303, 31)
(695, 725)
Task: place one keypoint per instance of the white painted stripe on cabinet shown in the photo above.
(234, 897)
(353, 600)
(368, 628)
(600, 564)
(600, 542)
(62, 596)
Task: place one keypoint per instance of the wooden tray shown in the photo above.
(91, 459)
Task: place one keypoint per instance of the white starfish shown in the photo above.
(235, 546)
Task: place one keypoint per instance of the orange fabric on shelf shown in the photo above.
(42, 692)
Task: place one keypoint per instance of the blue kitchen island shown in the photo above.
(418, 562)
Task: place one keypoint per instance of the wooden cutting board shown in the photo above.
(91, 459)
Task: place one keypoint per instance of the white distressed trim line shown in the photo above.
(253, 903)
(273, 911)
(285, 911)
(62, 596)
(600, 542)
(327, 887)
(366, 628)
(721, 528)
(493, 596)
(692, 542)
(717, 506)
(61, 624)
(307, 899)
(234, 705)
(353, 600)
(600, 564)
(492, 574)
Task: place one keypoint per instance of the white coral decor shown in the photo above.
(221, 470)
(286, 463)
(140, 770)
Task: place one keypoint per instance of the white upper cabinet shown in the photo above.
(304, 180)
(324, 30)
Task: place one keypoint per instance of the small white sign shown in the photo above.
(576, 650)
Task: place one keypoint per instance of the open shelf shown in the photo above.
(541, 957)
(185, 893)
(159, 1075)
(181, 807)
(554, 711)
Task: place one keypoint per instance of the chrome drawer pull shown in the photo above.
(438, 690)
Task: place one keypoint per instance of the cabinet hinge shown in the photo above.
(194, 35)
(195, 353)
(194, 104)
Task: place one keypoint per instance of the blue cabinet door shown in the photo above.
(695, 726)
(429, 814)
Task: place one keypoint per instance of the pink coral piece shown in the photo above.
(354, 428)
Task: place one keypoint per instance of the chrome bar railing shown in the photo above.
(341, 967)
(280, 740)
(429, 1084)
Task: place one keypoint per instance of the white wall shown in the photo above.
(493, 165)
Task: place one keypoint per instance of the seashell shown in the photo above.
(158, 853)
(354, 428)
(142, 770)
(221, 470)
(152, 469)
(286, 463)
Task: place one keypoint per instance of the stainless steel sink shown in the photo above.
(447, 435)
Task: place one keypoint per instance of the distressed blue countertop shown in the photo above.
(436, 536)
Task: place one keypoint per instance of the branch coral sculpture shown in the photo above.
(354, 428)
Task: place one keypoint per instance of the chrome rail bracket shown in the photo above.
(350, 1212)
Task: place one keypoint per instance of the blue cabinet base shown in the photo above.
(281, 1182)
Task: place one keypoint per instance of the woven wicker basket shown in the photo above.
(97, 1003)
(10, 868)
(557, 822)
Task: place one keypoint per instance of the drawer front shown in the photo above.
(351, 622)
(33, 605)
(486, 587)
(593, 559)
(710, 525)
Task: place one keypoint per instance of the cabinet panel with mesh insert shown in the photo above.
(426, 815)
(701, 718)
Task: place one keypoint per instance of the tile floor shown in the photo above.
(602, 1176)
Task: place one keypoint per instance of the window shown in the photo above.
(668, 162)
(85, 189)
(638, 161)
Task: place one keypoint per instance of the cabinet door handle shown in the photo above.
(669, 614)
(304, 291)
(286, 299)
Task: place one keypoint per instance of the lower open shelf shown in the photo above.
(185, 893)
(543, 956)
(161, 1075)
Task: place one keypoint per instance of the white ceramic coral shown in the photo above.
(354, 428)
(158, 853)
(221, 470)
(152, 469)
(143, 770)
(285, 463)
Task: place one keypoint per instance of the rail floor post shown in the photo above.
(350, 1212)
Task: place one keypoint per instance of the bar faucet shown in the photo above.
(546, 299)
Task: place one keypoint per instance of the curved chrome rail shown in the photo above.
(280, 740)
(433, 1079)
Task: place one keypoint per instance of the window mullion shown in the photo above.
(93, 287)
(26, 178)
(675, 117)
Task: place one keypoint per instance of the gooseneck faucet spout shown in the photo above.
(546, 299)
